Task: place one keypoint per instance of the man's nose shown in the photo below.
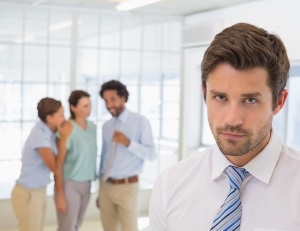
(108, 104)
(234, 115)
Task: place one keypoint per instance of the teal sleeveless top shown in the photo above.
(80, 160)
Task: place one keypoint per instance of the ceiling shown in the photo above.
(173, 7)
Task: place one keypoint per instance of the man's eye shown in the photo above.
(251, 101)
(220, 97)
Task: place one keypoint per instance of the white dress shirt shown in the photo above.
(188, 195)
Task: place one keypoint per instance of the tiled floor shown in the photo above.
(96, 225)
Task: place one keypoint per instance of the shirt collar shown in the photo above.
(261, 167)
(219, 163)
(123, 116)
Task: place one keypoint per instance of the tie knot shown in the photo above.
(236, 176)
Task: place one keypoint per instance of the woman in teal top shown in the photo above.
(76, 163)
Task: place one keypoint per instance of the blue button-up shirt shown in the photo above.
(127, 161)
(34, 172)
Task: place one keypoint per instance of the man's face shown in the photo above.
(114, 103)
(240, 111)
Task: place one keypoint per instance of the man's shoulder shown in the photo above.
(138, 119)
(191, 166)
(136, 115)
(196, 158)
(292, 154)
(108, 122)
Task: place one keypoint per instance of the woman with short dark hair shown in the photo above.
(38, 160)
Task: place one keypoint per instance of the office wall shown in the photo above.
(279, 16)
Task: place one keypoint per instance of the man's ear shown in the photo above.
(123, 99)
(280, 101)
(204, 92)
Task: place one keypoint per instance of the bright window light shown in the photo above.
(38, 2)
(26, 39)
(133, 4)
(60, 25)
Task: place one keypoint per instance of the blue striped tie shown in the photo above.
(230, 213)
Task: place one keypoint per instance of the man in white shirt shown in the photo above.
(249, 180)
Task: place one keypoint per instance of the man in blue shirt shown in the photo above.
(127, 143)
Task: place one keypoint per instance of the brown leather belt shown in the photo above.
(131, 179)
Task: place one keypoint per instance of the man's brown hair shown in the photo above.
(117, 86)
(244, 46)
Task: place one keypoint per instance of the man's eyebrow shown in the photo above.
(246, 95)
(252, 95)
(214, 92)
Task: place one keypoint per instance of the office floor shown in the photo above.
(96, 226)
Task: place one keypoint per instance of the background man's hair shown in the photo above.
(115, 85)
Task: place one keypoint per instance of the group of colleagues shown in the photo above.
(68, 148)
(248, 181)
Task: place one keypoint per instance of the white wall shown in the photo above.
(192, 100)
(279, 16)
